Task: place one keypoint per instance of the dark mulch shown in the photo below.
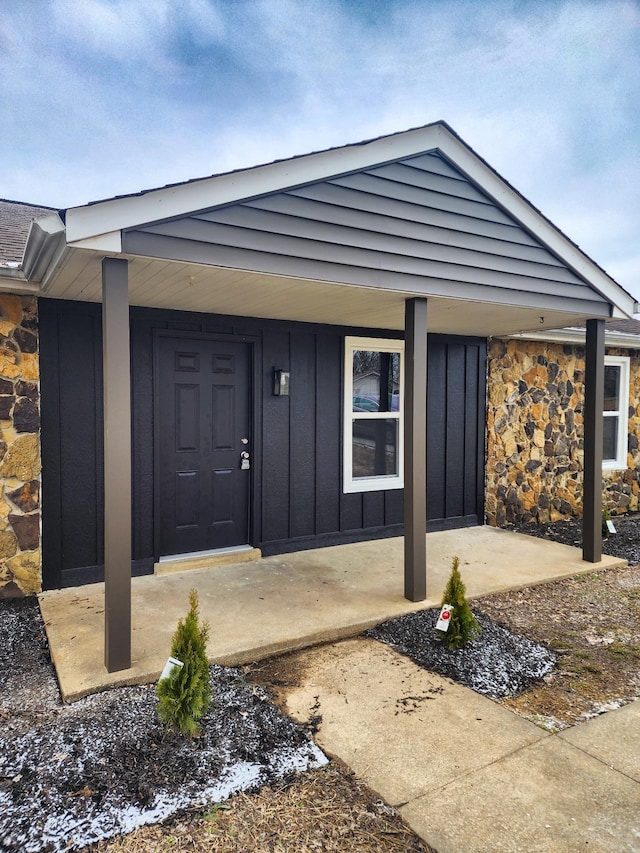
(70, 775)
(497, 663)
(624, 543)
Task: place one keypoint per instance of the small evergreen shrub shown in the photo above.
(185, 695)
(462, 624)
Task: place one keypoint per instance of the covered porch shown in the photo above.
(408, 234)
(278, 604)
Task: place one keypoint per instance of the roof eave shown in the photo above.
(577, 336)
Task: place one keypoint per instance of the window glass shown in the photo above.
(610, 438)
(376, 381)
(375, 448)
(611, 388)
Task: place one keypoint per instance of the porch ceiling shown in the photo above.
(177, 285)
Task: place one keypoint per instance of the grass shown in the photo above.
(623, 650)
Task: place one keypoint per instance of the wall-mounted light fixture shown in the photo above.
(280, 383)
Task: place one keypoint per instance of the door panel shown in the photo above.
(203, 414)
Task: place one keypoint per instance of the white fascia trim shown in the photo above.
(577, 336)
(110, 243)
(182, 199)
(513, 203)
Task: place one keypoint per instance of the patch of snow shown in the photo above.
(104, 766)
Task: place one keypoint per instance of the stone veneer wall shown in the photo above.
(535, 396)
(20, 552)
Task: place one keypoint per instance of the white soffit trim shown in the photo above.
(578, 336)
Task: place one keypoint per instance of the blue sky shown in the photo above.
(104, 97)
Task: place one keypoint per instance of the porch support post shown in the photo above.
(117, 464)
(415, 451)
(593, 406)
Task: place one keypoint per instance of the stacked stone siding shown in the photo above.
(535, 402)
(20, 551)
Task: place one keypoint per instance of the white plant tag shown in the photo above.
(170, 665)
(444, 620)
(610, 527)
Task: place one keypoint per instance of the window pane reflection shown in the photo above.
(611, 388)
(376, 381)
(610, 438)
(375, 447)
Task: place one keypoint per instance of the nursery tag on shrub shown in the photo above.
(170, 665)
(444, 619)
(610, 526)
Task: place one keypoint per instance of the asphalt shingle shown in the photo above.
(15, 220)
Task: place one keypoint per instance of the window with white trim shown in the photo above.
(616, 413)
(373, 414)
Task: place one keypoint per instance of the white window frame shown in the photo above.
(353, 484)
(622, 413)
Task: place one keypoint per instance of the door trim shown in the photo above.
(255, 416)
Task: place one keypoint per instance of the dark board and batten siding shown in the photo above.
(297, 478)
(417, 225)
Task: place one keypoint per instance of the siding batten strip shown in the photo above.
(415, 451)
(593, 429)
(117, 464)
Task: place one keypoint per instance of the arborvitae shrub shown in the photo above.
(185, 695)
(462, 624)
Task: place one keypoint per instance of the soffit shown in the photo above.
(191, 287)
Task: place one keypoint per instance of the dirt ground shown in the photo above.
(591, 622)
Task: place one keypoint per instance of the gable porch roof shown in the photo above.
(341, 236)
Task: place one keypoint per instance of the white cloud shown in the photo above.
(112, 96)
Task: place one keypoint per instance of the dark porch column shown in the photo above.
(415, 451)
(117, 464)
(593, 405)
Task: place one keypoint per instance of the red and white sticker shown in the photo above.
(444, 620)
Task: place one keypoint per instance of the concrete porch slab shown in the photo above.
(277, 604)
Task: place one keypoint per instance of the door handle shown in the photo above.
(245, 460)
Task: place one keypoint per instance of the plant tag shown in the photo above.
(610, 526)
(444, 620)
(170, 665)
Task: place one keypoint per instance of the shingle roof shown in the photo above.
(627, 327)
(15, 220)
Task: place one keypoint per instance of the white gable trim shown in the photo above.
(96, 226)
(182, 199)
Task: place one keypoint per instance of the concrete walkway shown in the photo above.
(467, 774)
(278, 604)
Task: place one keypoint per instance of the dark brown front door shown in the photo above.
(203, 437)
